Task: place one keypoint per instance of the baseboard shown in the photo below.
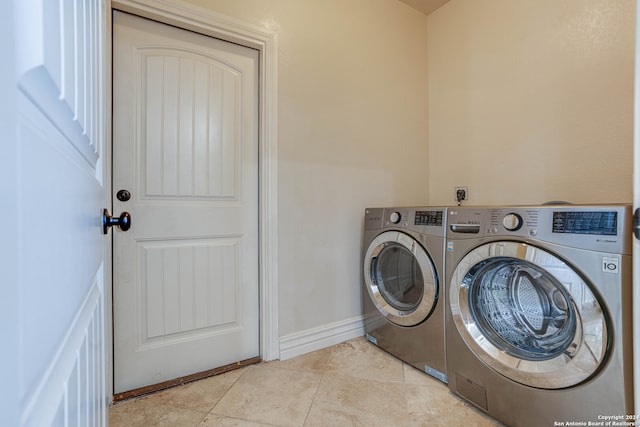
(303, 342)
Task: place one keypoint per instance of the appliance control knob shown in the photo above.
(395, 217)
(512, 221)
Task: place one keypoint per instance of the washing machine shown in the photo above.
(539, 313)
(403, 299)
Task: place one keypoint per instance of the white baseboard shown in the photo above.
(300, 343)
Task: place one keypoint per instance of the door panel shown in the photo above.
(185, 146)
(188, 287)
(191, 106)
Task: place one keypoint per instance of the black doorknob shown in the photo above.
(123, 221)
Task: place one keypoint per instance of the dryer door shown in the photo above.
(528, 315)
(400, 278)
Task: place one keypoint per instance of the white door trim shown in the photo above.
(204, 21)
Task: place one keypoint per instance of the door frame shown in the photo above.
(636, 205)
(207, 22)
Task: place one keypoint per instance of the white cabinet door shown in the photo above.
(185, 148)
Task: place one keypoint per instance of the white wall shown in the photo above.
(531, 101)
(352, 133)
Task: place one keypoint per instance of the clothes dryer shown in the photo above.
(403, 302)
(539, 313)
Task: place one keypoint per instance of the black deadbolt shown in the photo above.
(123, 195)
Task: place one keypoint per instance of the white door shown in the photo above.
(53, 97)
(185, 148)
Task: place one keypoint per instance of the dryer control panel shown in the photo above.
(426, 220)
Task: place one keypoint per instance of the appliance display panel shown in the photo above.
(429, 218)
(603, 223)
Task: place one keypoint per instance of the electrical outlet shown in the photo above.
(461, 193)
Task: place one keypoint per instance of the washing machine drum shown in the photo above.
(521, 308)
(528, 315)
(400, 278)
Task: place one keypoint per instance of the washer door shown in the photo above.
(400, 278)
(528, 315)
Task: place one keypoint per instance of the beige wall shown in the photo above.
(352, 133)
(528, 101)
(531, 101)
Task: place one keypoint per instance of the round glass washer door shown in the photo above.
(528, 315)
(400, 278)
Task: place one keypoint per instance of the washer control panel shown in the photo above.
(605, 228)
(576, 225)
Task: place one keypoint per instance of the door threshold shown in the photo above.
(139, 392)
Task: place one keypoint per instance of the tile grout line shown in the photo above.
(244, 371)
(313, 400)
(322, 378)
(209, 412)
(406, 393)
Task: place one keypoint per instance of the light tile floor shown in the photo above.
(350, 384)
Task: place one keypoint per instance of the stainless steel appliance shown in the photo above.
(403, 299)
(539, 312)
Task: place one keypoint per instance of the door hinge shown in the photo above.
(636, 223)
